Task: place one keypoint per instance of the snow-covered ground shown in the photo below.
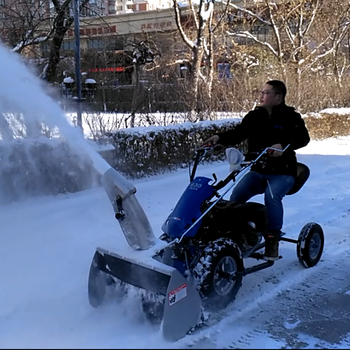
(48, 243)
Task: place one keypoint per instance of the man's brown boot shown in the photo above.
(271, 247)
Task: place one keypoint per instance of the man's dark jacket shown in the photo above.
(261, 130)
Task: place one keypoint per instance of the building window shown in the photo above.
(224, 71)
(97, 44)
(68, 45)
(260, 32)
(45, 49)
(111, 9)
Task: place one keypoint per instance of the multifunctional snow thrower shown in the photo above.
(196, 264)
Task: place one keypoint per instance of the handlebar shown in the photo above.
(203, 150)
(200, 153)
(265, 152)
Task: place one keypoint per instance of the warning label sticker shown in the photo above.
(178, 294)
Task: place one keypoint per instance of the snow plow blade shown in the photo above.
(182, 304)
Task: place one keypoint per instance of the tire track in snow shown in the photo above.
(313, 314)
(284, 285)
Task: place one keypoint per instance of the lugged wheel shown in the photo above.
(219, 273)
(153, 307)
(310, 244)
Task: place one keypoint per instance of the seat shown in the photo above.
(303, 173)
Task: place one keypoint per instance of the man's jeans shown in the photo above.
(275, 187)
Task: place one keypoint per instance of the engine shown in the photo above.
(244, 223)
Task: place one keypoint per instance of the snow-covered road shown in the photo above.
(303, 309)
(47, 245)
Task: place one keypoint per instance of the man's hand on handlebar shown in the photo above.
(275, 152)
(211, 141)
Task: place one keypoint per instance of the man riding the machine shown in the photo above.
(271, 124)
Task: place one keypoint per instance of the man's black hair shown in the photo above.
(279, 87)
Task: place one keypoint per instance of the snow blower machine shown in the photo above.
(197, 263)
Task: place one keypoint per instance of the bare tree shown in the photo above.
(296, 39)
(63, 20)
(144, 52)
(24, 24)
(201, 45)
(336, 50)
(27, 23)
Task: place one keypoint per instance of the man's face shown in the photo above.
(269, 98)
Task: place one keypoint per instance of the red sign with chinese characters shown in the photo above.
(156, 25)
(107, 69)
(94, 31)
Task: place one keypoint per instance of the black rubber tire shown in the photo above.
(310, 244)
(153, 308)
(221, 255)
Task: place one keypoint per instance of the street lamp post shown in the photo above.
(77, 61)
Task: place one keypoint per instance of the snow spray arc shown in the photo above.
(41, 153)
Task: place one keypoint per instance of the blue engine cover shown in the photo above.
(188, 208)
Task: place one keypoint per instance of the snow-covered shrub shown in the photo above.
(148, 151)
